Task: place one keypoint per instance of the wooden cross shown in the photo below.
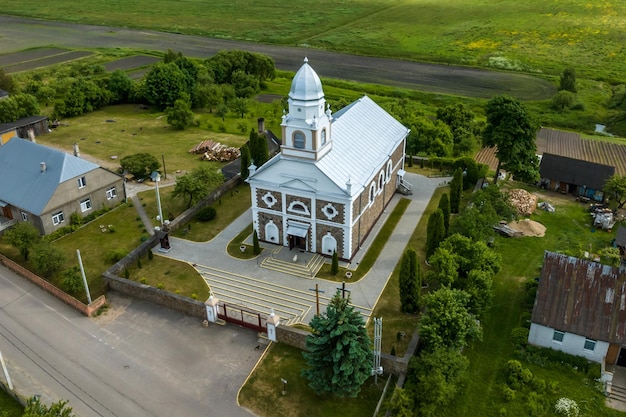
(317, 297)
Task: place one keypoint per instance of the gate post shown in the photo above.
(211, 309)
(273, 321)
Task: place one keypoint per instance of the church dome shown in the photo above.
(306, 84)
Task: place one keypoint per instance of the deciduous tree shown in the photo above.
(23, 236)
(140, 165)
(180, 115)
(47, 258)
(164, 84)
(196, 184)
(615, 190)
(339, 355)
(512, 130)
(567, 80)
(447, 322)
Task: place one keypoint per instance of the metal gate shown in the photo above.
(242, 316)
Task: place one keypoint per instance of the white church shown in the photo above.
(334, 175)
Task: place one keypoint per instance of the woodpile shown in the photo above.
(215, 151)
(524, 202)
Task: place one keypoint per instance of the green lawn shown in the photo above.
(9, 405)
(568, 230)
(537, 36)
(262, 392)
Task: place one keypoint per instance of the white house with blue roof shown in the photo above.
(45, 186)
(334, 175)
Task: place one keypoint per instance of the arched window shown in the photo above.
(381, 182)
(389, 171)
(372, 192)
(323, 137)
(298, 140)
(298, 207)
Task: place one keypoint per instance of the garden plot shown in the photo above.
(46, 61)
(33, 54)
(131, 62)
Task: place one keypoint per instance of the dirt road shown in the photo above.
(20, 33)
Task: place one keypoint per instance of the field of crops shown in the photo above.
(570, 145)
(535, 36)
(38, 58)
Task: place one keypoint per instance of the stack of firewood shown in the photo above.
(524, 202)
(215, 151)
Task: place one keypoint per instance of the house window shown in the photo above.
(323, 137)
(389, 170)
(82, 182)
(381, 181)
(590, 345)
(25, 216)
(558, 336)
(372, 193)
(58, 218)
(85, 204)
(111, 193)
(298, 140)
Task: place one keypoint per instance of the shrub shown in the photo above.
(194, 296)
(71, 282)
(75, 219)
(519, 336)
(115, 255)
(47, 258)
(143, 280)
(513, 370)
(508, 394)
(566, 407)
(160, 285)
(126, 273)
(206, 214)
(150, 255)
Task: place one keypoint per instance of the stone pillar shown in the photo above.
(211, 309)
(273, 321)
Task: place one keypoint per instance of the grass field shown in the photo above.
(535, 36)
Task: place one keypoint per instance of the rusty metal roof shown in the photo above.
(582, 297)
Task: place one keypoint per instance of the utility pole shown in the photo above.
(6, 372)
(82, 272)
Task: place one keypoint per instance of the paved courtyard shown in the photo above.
(261, 285)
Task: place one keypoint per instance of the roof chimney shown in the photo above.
(42, 165)
(76, 150)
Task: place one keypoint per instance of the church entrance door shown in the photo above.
(297, 242)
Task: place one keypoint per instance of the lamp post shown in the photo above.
(156, 177)
(162, 230)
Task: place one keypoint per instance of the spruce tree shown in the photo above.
(339, 354)
(435, 232)
(444, 205)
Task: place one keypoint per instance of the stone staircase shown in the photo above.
(617, 389)
(290, 304)
(298, 266)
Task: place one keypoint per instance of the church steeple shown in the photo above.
(307, 127)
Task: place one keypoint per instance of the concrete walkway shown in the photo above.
(246, 283)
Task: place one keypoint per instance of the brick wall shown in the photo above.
(87, 310)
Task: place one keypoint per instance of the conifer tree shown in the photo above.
(334, 266)
(456, 188)
(409, 282)
(435, 232)
(255, 243)
(245, 162)
(339, 355)
(444, 205)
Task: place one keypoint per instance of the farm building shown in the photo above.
(334, 175)
(38, 125)
(580, 309)
(45, 186)
(574, 176)
(570, 145)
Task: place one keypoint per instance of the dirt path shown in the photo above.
(17, 34)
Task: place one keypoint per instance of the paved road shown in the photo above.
(21, 33)
(136, 360)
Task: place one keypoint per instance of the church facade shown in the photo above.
(334, 175)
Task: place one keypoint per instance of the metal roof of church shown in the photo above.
(24, 185)
(363, 137)
(306, 84)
